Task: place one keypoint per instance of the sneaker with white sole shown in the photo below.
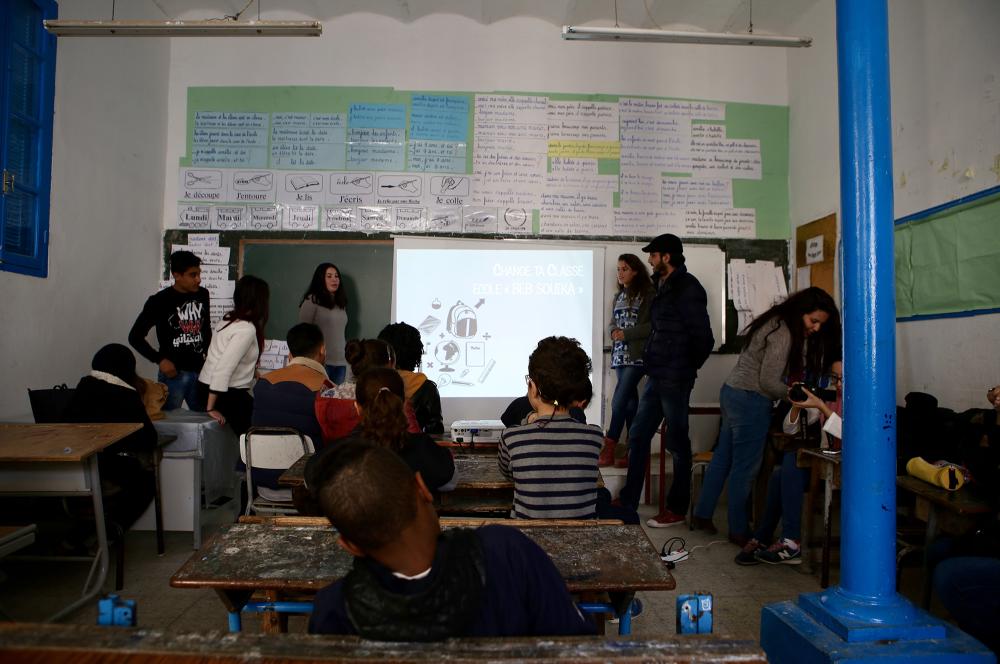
(782, 552)
(665, 519)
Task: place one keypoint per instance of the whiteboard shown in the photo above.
(707, 262)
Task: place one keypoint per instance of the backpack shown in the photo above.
(462, 320)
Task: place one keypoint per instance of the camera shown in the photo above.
(798, 394)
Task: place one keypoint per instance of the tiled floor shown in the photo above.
(34, 590)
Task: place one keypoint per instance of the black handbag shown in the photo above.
(49, 405)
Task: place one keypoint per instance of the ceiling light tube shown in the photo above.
(197, 28)
(681, 37)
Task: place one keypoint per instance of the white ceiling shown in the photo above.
(769, 16)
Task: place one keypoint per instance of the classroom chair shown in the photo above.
(271, 448)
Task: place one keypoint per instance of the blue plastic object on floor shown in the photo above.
(694, 614)
(113, 610)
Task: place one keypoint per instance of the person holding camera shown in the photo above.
(810, 406)
(785, 344)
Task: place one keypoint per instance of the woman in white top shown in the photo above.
(325, 305)
(230, 366)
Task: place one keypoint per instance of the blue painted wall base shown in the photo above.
(788, 633)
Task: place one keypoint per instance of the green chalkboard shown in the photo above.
(287, 266)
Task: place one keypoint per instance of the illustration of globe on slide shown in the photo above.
(446, 353)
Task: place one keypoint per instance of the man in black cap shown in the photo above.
(680, 342)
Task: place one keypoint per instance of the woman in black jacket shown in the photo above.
(112, 392)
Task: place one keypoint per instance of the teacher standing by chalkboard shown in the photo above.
(325, 305)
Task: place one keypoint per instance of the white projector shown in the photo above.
(479, 431)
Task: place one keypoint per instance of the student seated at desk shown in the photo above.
(335, 409)
(111, 393)
(558, 374)
(421, 392)
(520, 410)
(411, 581)
(383, 422)
(786, 487)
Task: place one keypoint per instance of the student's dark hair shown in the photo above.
(826, 343)
(641, 283)
(182, 261)
(318, 293)
(251, 302)
(304, 339)
(368, 493)
(379, 392)
(365, 354)
(560, 369)
(405, 341)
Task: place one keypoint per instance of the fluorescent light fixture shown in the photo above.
(197, 28)
(680, 37)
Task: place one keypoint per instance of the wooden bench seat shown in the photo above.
(82, 644)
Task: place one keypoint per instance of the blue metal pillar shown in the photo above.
(864, 618)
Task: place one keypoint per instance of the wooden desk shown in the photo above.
(481, 487)
(71, 644)
(295, 560)
(476, 472)
(954, 512)
(61, 460)
(822, 466)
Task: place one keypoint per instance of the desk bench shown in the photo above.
(283, 561)
(954, 512)
(71, 644)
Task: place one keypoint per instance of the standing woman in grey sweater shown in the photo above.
(783, 345)
(325, 305)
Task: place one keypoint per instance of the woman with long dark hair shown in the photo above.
(630, 328)
(784, 345)
(231, 363)
(379, 399)
(325, 304)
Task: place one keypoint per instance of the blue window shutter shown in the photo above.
(27, 86)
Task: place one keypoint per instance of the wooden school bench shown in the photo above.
(61, 460)
(72, 644)
(953, 512)
(282, 561)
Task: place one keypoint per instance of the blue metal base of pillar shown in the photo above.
(790, 633)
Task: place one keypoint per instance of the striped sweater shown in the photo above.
(554, 467)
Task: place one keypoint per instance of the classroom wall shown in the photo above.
(945, 86)
(105, 223)
(515, 54)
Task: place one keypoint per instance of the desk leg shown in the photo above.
(807, 516)
(662, 498)
(90, 591)
(932, 526)
(158, 502)
(824, 577)
(196, 504)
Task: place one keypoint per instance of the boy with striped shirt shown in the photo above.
(553, 458)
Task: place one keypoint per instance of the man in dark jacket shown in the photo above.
(680, 342)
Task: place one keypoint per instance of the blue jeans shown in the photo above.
(336, 373)
(625, 401)
(969, 587)
(660, 401)
(746, 416)
(182, 387)
(785, 491)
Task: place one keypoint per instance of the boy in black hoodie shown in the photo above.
(180, 314)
